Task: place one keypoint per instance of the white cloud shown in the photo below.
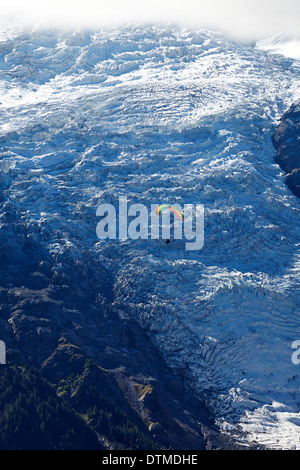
(251, 19)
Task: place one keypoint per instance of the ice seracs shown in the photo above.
(157, 113)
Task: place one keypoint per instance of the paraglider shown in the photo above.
(176, 211)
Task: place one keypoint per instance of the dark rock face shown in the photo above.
(293, 181)
(286, 141)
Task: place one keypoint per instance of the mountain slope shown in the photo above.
(157, 114)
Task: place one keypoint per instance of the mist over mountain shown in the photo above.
(241, 19)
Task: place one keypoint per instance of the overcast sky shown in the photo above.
(250, 19)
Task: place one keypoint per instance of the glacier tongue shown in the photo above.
(157, 114)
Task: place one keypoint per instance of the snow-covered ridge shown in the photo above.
(285, 44)
(162, 114)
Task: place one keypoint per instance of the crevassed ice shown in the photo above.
(160, 113)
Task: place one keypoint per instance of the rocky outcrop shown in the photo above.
(286, 141)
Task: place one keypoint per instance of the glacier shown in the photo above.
(161, 113)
